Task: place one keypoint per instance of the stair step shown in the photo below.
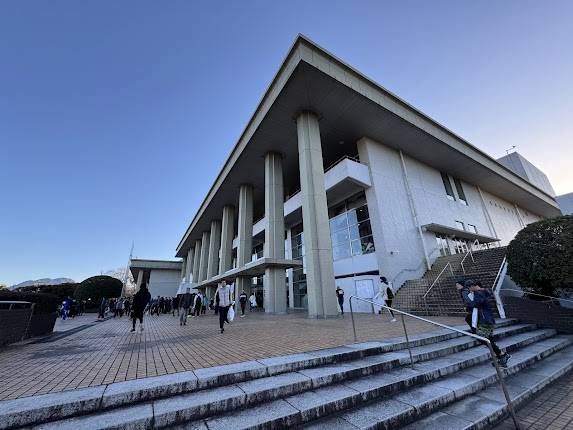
(49, 407)
(452, 393)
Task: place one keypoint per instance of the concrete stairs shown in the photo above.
(364, 385)
(443, 299)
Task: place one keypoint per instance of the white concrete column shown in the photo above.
(290, 272)
(245, 236)
(183, 268)
(227, 235)
(204, 256)
(317, 243)
(214, 245)
(188, 263)
(139, 280)
(196, 261)
(274, 279)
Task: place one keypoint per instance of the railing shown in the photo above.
(481, 339)
(438, 277)
(535, 294)
(495, 290)
(470, 253)
(344, 157)
(417, 269)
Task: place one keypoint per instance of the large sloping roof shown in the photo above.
(351, 106)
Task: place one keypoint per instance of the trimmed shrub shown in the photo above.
(96, 287)
(61, 290)
(45, 303)
(540, 257)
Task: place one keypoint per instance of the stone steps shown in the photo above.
(97, 400)
(469, 399)
(295, 398)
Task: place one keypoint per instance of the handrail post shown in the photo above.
(503, 386)
(352, 318)
(407, 341)
(451, 269)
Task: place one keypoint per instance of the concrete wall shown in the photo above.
(164, 282)
(396, 238)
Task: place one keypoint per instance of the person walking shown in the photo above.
(175, 304)
(243, 302)
(477, 298)
(386, 295)
(224, 292)
(340, 297)
(185, 302)
(140, 301)
(205, 304)
(119, 307)
(252, 301)
(102, 306)
(197, 305)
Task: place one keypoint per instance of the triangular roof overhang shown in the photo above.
(350, 106)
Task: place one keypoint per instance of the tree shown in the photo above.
(540, 257)
(96, 287)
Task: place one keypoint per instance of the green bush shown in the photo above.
(61, 290)
(96, 287)
(45, 303)
(540, 257)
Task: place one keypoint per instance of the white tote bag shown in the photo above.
(231, 314)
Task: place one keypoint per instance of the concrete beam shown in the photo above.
(214, 246)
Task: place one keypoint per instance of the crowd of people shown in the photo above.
(71, 308)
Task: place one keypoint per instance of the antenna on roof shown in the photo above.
(508, 150)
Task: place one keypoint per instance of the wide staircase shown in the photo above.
(364, 385)
(435, 293)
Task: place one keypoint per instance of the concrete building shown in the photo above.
(517, 163)
(162, 277)
(335, 181)
(565, 202)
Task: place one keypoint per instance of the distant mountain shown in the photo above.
(43, 281)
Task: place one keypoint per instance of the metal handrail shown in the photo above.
(438, 277)
(423, 263)
(535, 294)
(344, 157)
(498, 274)
(462, 332)
(475, 242)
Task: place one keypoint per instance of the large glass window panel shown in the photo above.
(460, 191)
(367, 244)
(339, 222)
(361, 230)
(356, 201)
(341, 251)
(339, 236)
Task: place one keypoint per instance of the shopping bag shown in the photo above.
(230, 314)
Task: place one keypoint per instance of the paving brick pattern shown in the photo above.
(107, 352)
(552, 409)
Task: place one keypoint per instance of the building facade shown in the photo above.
(334, 182)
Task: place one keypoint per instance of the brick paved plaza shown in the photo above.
(552, 409)
(107, 352)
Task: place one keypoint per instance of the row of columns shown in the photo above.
(212, 254)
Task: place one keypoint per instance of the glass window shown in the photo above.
(339, 236)
(460, 191)
(460, 225)
(339, 222)
(472, 228)
(360, 230)
(340, 251)
(448, 186)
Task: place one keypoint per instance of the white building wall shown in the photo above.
(164, 282)
(399, 252)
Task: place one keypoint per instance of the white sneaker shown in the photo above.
(393, 320)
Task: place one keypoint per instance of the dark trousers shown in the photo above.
(243, 304)
(223, 315)
(137, 317)
(469, 322)
(341, 304)
(389, 304)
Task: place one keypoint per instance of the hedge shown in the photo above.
(45, 303)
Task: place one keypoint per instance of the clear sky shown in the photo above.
(116, 116)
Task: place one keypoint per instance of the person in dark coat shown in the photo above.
(140, 301)
(477, 298)
(185, 303)
(340, 297)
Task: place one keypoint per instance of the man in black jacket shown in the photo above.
(140, 301)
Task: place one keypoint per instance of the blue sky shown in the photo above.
(115, 117)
